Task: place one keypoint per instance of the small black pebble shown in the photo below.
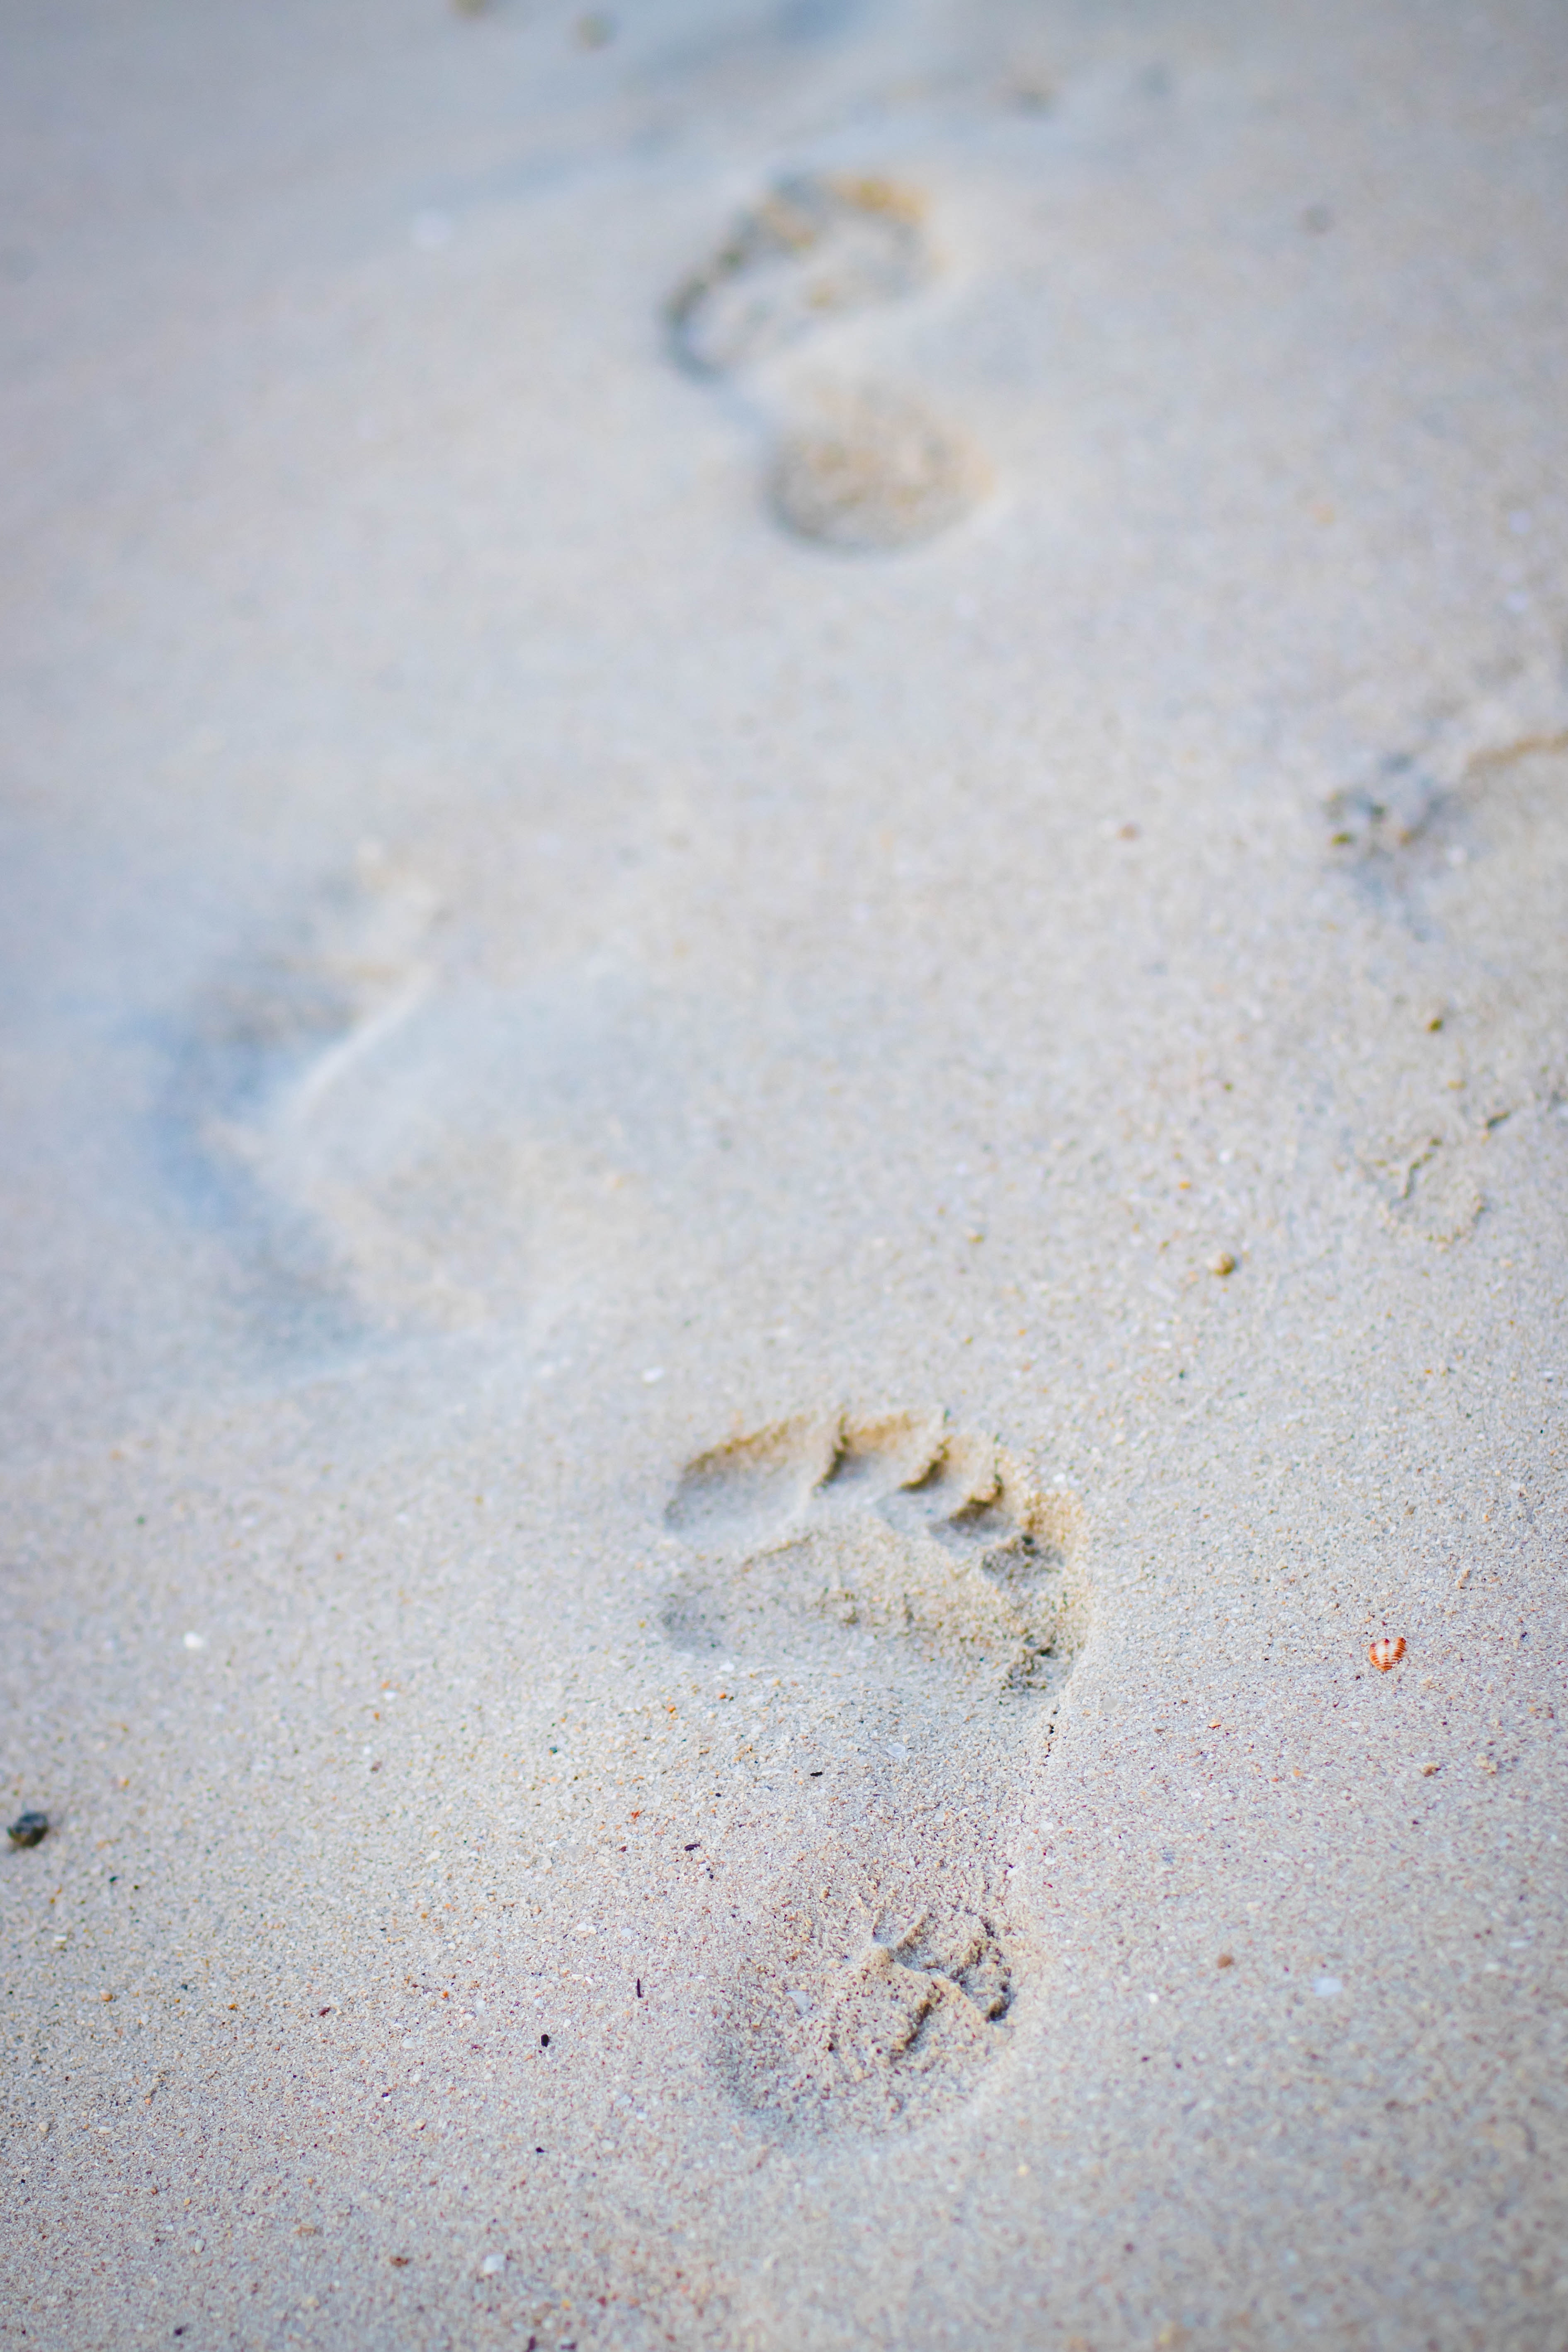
(544, 2041)
(816, 1775)
(539, 2151)
(28, 1829)
(692, 1847)
(639, 1987)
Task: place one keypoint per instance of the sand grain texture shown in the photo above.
(786, 803)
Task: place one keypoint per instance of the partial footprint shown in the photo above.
(1433, 1192)
(901, 1607)
(816, 247)
(1464, 841)
(272, 1054)
(872, 472)
(861, 469)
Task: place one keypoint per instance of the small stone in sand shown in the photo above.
(1226, 1960)
(28, 1829)
(1223, 1262)
(1385, 1651)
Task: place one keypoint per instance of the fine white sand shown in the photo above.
(786, 1086)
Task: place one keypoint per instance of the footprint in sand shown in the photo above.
(1464, 841)
(274, 1153)
(858, 467)
(903, 1608)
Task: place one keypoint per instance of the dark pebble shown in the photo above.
(28, 1829)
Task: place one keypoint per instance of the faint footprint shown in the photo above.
(873, 472)
(862, 469)
(269, 1152)
(274, 1039)
(816, 247)
(1432, 1191)
(1463, 840)
(904, 1609)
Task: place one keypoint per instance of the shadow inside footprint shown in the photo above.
(903, 1603)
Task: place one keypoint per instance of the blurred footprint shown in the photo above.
(872, 472)
(816, 247)
(857, 467)
(265, 1121)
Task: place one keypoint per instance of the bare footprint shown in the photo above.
(903, 1609)
(271, 1054)
(872, 472)
(817, 246)
(1432, 1190)
(1464, 843)
(861, 469)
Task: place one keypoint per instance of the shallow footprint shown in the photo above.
(817, 246)
(903, 1609)
(859, 468)
(1464, 845)
(873, 472)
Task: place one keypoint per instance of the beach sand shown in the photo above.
(786, 841)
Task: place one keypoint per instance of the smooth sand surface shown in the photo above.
(786, 1064)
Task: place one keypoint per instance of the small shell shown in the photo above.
(28, 1829)
(1386, 1652)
